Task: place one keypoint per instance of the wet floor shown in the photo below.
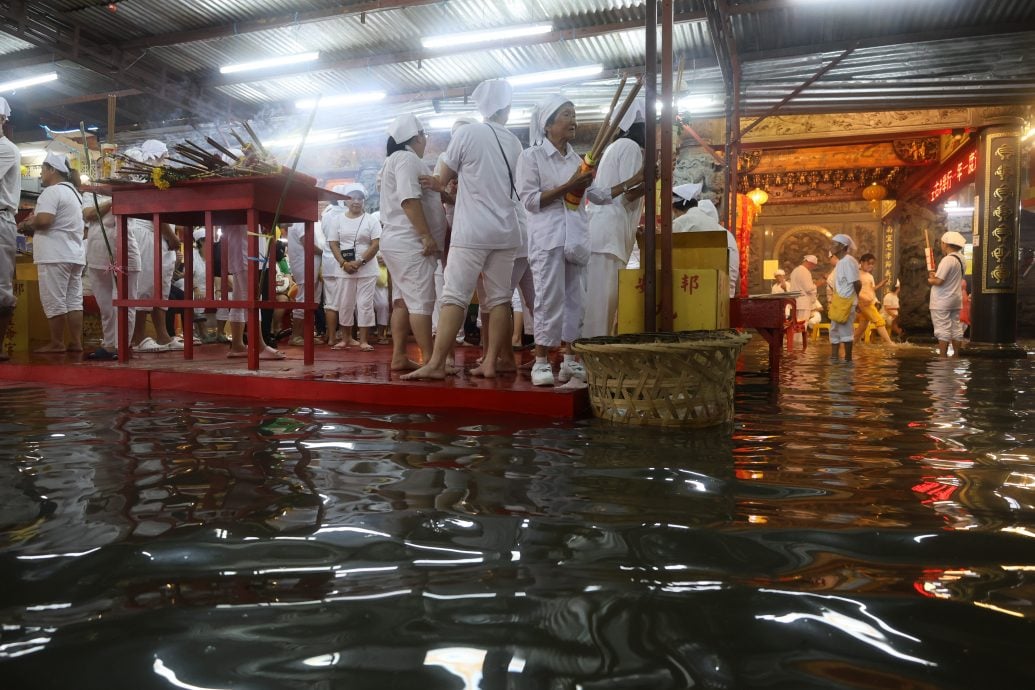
(865, 526)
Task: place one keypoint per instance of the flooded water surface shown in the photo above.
(863, 526)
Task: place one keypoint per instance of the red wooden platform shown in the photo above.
(346, 376)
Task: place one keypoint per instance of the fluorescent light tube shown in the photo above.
(343, 99)
(277, 61)
(569, 74)
(28, 81)
(489, 35)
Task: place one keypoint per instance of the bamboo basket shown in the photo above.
(663, 379)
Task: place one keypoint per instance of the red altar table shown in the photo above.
(248, 201)
(766, 315)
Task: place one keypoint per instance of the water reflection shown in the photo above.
(862, 526)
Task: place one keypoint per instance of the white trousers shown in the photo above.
(465, 265)
(560, 293)
(382, 305)
(843, 332)
(102, 282)
(357, 300)
(947, 325)
(413, 279)
(601, 295)
(61, 288)
(8, 256)
(521, 280)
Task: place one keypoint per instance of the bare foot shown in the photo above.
(425, 372)
(353, 343)
(484, 370)
(50, 350)
(404, 365)
(505, 367)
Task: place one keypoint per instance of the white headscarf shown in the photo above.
(404, 128)
(707, 206)
(844, 241)
(492, 96)
(352, 187)
(542, 112)
(5, 108)
(689, 191)
(57, 161)
(634, 114)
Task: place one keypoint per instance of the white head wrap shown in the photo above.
(5, 108)
(844, 240)
(542, 112)
(404, 128)
(688, 191)
(460, 122)
(633, 115)
(492, 96)
(338, 189)
(707, 206)
(199, 234)
(57, 161)
(353, 187)
(954, 238)
(153, 150)
(780, 272)
(811, 258)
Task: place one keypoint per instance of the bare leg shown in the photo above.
(498, 358)
(364, 336)
(57, 335)
(139, 327)
(883, 333)
(158, 321)
(237, 345)
(450, 317)
(420, 324)
(956, 345)
(943, 348)
(400, 334)
(75, 330)
(332, 325)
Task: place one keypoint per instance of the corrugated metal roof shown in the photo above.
(910, 54)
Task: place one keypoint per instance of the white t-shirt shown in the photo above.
(948, 295)
(10, 175)
(613, 221)
(486, 215)
(801, 281)
(399, 181)
(778, 289)
(868, 291)
(696, 220)
(97, 250)
(63, 241)
(359, 233)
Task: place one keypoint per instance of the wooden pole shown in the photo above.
(647, 257)
(667, 167)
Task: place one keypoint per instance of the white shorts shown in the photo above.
(947, 325)
(357, 300)
(413, 279)
(61, 288)
(496, 267)
(332, 292)
(8, 254)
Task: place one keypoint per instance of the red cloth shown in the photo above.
(746, 212)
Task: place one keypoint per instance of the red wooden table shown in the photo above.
(766, 315)
(249, 201)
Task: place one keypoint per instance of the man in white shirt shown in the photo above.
(802, 282)
(947, 294)
(10, 196)
(780, 286)
(693, 216)
(485, 230)
(616, 203)
(59, 255)
(846, 286)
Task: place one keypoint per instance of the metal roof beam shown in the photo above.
(37, 23)
(267, 23)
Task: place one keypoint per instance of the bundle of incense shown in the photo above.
(573, 198)
(928, 253)
(254, 137)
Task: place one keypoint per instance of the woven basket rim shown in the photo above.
(663, 342)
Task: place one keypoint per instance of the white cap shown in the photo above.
(954, 238)
(460, 122)
(780, 272)
(689, 191)
(56, 161)
(405, 127)
(844, 240)
(542, 112)
(153, 149)
(353, 187)
(633, 115)
(5, 108)
(707, 206)
(811, 258)
(199, 234)
(492, 96)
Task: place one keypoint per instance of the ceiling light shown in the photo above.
(489, 35)
(570, 74)
(343, 99)
(277, 61)
(28, 81)
(693, 103)
(447, 121)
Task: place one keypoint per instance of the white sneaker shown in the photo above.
(571, 369)
(542, 375)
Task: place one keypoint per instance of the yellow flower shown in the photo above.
(158, 177)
